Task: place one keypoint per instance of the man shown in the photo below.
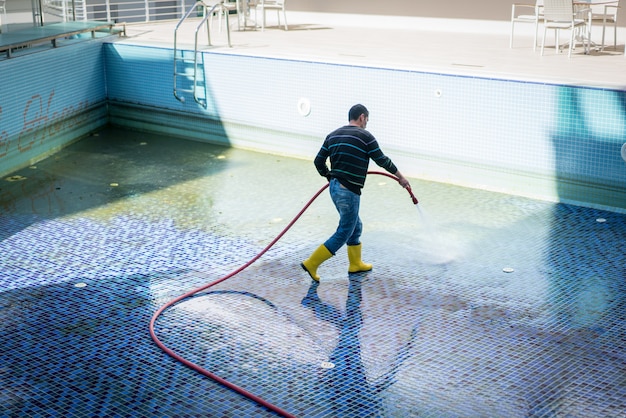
(349, 148)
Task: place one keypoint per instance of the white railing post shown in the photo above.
(130, 10)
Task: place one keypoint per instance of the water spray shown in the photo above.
(178, 299)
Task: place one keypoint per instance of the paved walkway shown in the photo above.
(475, 48)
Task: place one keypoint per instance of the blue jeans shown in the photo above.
(350, 226)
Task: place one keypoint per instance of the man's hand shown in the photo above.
(402, 180)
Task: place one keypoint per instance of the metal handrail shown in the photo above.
(129, 11)
(207, 14)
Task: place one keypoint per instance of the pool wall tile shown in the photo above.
(48, 100)
(555, 142)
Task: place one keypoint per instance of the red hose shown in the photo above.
(174, 301)
(408, 189)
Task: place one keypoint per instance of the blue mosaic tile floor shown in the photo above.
(479, 304)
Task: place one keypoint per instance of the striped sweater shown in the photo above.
(350, 148)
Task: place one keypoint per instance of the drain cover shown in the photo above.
(327, 365)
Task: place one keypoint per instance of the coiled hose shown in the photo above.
(174, 301)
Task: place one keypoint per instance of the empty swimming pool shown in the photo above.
(484, 305)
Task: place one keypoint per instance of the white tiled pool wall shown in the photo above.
(553, 142)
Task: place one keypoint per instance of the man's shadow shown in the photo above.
(346, 385)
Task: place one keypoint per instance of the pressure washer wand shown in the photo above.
(408, 189)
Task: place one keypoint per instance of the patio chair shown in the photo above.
(603, 14)
(264, 5)
(229, 7)
(521, 13)
(560, 14)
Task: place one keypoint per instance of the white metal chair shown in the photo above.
(560, 14)
(521, 13)
(603, 14)
(226, 8)
(264, 5)
(230, 7)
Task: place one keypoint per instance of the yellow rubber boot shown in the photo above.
(311, 264)
(356, 264)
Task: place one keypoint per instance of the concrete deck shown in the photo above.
(473, 48)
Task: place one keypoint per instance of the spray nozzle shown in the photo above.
(413, 198)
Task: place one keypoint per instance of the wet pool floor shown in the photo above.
(479, 304)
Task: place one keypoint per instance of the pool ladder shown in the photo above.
(183, 63)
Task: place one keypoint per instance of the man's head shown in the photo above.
(358, 115)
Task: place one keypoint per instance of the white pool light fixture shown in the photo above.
(508, 270)
(304, 106)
